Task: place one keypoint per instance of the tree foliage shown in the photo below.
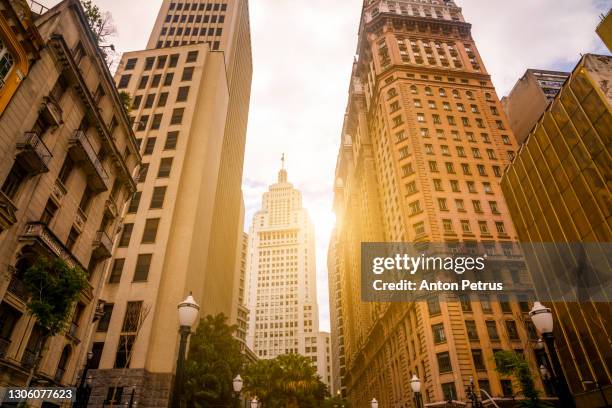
(214, 360)
(54, 288)
(288, 381)
(102, 27)
(512, 363)
(126, 101)
(335, 402)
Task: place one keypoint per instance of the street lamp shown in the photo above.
(539, 344)
(238, 383)
(188, 311)
(542, 319)
(84, 389)
(415, 384)
(374, 403)
(472, 395)
(254, 403)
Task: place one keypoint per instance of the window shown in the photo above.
(49, 212)
(65, 171)
(512, 330)
(433, 166)
(433, 306)
(420, 117)
(192, 56)
(507, 388)
(429, 149)
(86, 199)
(142, 124)
(136, 102)
(450, 169)
(156, 122)
(161, 61)
(460, 205)
(107, 312)
(399, 136)
(447, 225)
(126, 235)
(500, 125)
(505, 139)
(165, 165)
(124, 81)
(472, 332)
(116, 271)
(411, 188)
(438, 184)
(177, 116)
(168, 79)
(134, 202)
(150, 231)
(142, 173)
(466, 169)
(492, 330)
(466, 304)
(182, 94)
(143, 82)
(419, 228)
(499, 226)
(124, 349)
(149, 61)
(465, 226)
(442, 204)
(478, 360)
(187, 74)
(156, 80)
(415, 207)
(150, 145)
(485, 303)
(449, 391)
(438, 333)
(163, 98)
(171, 141)
(130, 63)
(173, 60)
(455, 186)
(143, 263)
(73, 237)
(157, 199)
(484, 228)
(471, 186)
(436, 119)
(444, 362)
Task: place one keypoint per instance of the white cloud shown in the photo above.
(303, 51)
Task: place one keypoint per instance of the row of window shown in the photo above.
(408, 169)
(455, 135)
(466, 228)
(198, 6)
(213, 19)
(436, 120)
(195, 31)
(156, 79)
(141, 271)
(173, 60)
(446, 106)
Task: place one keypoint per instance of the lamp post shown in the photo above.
(84, 388)
(254, 403)
(415, 384)
(374, 403)
(188, 311)
(542, 319)
(237, 383)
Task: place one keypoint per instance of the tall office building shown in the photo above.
(556, 192)
(281, 279)
(424, 144)
(335, 317)
(529, 98)
(190, 91)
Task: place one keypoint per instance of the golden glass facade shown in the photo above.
(558, 190)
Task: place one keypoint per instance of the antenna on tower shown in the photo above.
(283, 161)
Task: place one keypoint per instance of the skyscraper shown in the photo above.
(422, 151)
(281, 279)
(190, 90)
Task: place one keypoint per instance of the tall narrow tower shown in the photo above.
(424, 144)
(182, 230)
(281, 279)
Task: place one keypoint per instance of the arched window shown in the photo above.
(470, 95)
(63, 362)
(428, 91)
(442, 92)
(6, 63)
(455, 93)
(391, 93)
(414, 90)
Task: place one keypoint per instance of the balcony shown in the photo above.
(4, 345)
(103, 246)
(111, 208)
(51, 111)
(7, 212)
(82, 152)
(33, 153)
(40, 235)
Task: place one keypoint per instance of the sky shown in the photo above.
(302, 56)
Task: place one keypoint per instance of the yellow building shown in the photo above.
(20, 43)
(68, 155)
(424, 145)
(556, 192)
(183, 228)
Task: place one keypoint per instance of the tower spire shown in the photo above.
(282, 174)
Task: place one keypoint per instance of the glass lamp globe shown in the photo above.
(188, 311)
(237, 383)
(542, 318)
(415, 384)
(254, 403)
(374, 403)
